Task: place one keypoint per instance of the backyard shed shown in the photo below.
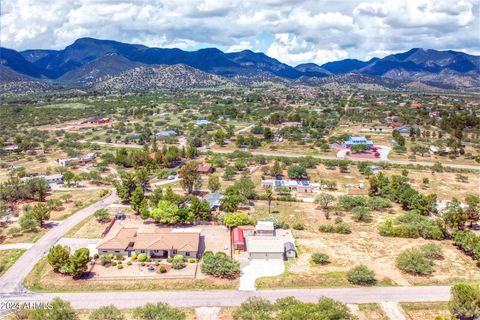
(290, 250)
(238, 240)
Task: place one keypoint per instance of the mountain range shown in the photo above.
(112, 65)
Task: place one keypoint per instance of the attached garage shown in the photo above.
(265, 248)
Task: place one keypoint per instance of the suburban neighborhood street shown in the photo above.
(12, 280)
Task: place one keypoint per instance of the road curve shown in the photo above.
(12, 280)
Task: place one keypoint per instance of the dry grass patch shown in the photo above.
(371, 311)
(425, 310)
(8, 258)
(83, 314)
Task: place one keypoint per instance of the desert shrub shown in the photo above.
(320, 258)
(192, 260)
(114, 264)
(414, 261)
(362, 213)
(142, 257)
(412, 225)
(170, 259)
(119, 257)
(129, 263)
(163, 269)
(432, 251)
(338, 220)
(350, 202)
(468, 241)
(178, 263)
(106, 313)
(254, 308)
(142, 264)
(133, 256)
(119, 266)
(158, 311)
(465, 301)
(378, 203)
(206, 253)
(96, 256)
(298, 226)
(361, 275)
(343, 228)
(327, 228)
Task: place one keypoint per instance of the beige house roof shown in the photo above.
(265, 244)
(122, 235)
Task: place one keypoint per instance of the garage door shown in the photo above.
(267, 255)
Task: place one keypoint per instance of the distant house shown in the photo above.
(202, 122)
(396, 124)
(77, 160)
(166, 133)
(96, 120)
(238, 240)
(53, 178)
(303, 186)
(214, 200)
(353, 141)
(265, 228)
(404, 130)
(204, 168)
(290, 250)
(291, 124)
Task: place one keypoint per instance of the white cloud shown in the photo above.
(291, 50)
(293, 31)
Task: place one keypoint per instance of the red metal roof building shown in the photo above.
(238, 240)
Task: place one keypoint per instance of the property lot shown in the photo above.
(425, 311)
(363, 246)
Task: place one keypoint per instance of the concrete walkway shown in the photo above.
(11, 246)
(392, 309)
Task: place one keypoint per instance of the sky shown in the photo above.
(293, 31)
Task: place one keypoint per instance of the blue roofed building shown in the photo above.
(202, 122)
(352, 141)
(214, 200)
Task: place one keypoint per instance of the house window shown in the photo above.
(187, 254)
(142, 251)
(116, 251)
(174, 251)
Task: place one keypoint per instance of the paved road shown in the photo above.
(221, 298)
(300, 155)
(12, 280)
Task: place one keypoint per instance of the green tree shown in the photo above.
(78, 262)
(235, 219)
(102, 215)
(213, 183)
(68, 177)
(191, 179)
(229, 173)
(276, 169)
(41, 213)
(473, 209)
(361, 275)
(245, 187)
(158, 311)
(362, 213)
(27, 221)
(219, 137)
(465, 301)
(136, 199)
(165, 212)
(455, 216)
(297, 173)
(220, 265)
(325, 200)
(58, 257)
